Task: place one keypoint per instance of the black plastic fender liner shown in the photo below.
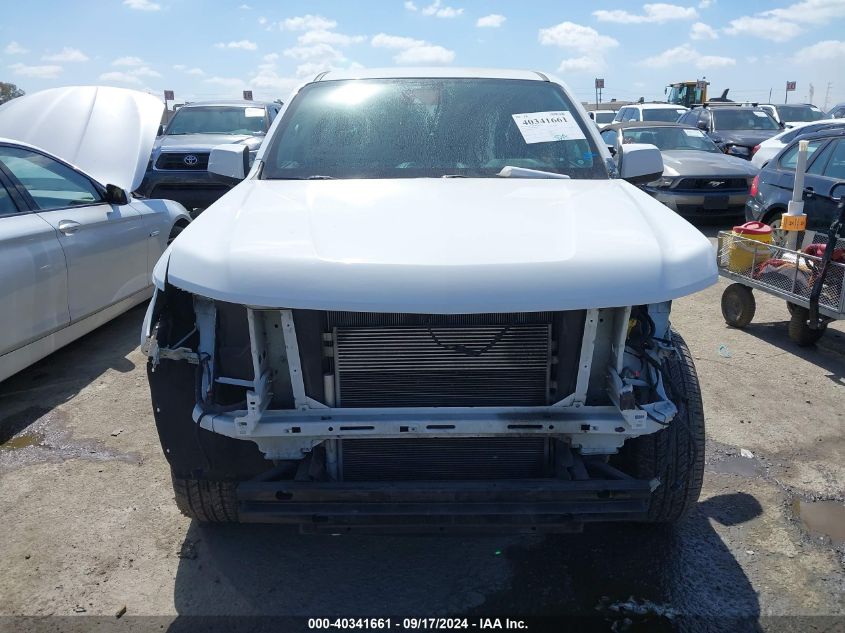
(194, 452)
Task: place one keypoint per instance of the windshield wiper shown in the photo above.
(509, 171)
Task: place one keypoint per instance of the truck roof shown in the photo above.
(434, 72)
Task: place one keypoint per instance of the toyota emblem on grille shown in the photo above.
(190, 160)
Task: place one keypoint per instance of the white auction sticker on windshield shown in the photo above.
(697, 133)
(253, 113)
(762, 115)
(543, 127)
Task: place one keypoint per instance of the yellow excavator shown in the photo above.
(687, 93)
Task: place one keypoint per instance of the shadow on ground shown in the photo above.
(828, 353)
(60, 376)
(652, 576)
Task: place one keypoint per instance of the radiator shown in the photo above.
(458, 361)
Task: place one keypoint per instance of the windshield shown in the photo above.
(792, 134)
(799, 113)
(218, 120)
(413, 128)
(605, 117)
(665, 115)
(744, 120)
(671, 138)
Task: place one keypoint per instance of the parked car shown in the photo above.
(770, 148)
(698, 179)
(837, 111)
(601, 117)
(400, 317)
(790, 114)
(736, 129)
(76, 249)
(178, 167)
(772, 188)
(667, 112)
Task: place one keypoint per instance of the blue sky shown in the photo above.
(216, 49)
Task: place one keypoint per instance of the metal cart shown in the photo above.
(809, 279)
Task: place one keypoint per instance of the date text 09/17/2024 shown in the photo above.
(411, 624)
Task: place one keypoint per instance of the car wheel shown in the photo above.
(206, 501)
(799, 331)
(674, 455)
(738, 305)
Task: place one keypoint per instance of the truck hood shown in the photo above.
(106, 132)
(198, 142)
(696, 163)
(439, 246)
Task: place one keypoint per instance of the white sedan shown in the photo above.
(770, 148)
(76, 249)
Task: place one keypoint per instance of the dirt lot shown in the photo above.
(89, 526)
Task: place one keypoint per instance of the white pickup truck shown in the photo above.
(435, 302)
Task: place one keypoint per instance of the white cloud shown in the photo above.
(702, 31)
(195, 71)
(492, 21)
(657, 13)
(383, 40)
(583, 64)
(145, 71)
(67, 54)
(576, 37)
(245, 7)
(706, 4)
(142, 5)
(307, 23)
(772, 29)
(120, 77)
(318, 51)
(413, 51)
(686, 54)
(822, 51)
(39, 72)
(270, 58)
(244, 45)
(410, 6)
(437, 9)
(780, 25)
(262, 20)
(329, 37)
(428, 54)
(128, 61)
(585, 40)
(13, 48)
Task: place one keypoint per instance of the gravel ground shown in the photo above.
(90, 527)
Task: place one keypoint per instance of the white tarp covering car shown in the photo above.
(76, 249)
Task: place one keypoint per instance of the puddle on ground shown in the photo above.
(24, 440)
(822, 518)
(735, 465)
(36, 434)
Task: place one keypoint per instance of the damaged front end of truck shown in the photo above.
(342, 421)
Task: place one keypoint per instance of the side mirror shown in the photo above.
(640, 163)
(702, 125)
(160, 130)
(230, 161)
(116, 195)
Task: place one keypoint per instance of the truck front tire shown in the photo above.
(206, 501)
(674, 455)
